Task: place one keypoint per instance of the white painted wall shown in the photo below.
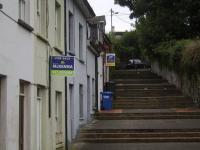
(80, 71)
(16, 62)
(91, 73)
(23, 56)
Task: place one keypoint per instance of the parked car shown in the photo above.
(137, 64)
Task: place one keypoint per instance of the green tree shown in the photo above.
(164, 20)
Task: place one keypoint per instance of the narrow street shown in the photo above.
(148, 114)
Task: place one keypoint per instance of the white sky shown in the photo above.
(121, 21)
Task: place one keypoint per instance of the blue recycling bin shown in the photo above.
(107, 98)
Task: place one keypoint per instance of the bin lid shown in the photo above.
(108, 92)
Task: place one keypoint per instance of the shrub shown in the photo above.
(181, 56)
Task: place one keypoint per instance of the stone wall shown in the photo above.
(189, 86)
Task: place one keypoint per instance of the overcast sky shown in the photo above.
(121, 21)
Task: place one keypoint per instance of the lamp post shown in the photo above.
(112, 13)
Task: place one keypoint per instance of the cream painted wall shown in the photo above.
(43, 49)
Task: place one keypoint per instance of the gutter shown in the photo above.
(85, 8)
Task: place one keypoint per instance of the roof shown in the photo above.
(85, 7)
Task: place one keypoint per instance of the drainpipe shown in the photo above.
(65, 47)
(96, 85)
(49, 85)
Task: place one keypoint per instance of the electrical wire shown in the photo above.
(124, 20)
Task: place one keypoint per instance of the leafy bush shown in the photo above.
(181, 56)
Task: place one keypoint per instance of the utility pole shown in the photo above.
(111, 11)
(111, 14)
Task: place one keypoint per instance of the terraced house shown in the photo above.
(85, 37)
(39, 111)
(32, 104)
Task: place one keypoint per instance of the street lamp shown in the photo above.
(112, 13)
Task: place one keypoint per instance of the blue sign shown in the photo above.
(110, 59)
(62, 66)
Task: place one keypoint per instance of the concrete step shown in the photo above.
(158, 98)
(151, 106)
(140, 81)
(137, 146)
(155, 115)
(135, 76)
(148, 94)
(147, 91)
(121, 136)
(145, 86)
(132, 72)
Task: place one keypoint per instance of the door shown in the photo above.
(81, 113)
(21, 116)
(88, 98)
(93, 95)
(71, 94)
(39, 118)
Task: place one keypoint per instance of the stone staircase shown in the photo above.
(147, 109)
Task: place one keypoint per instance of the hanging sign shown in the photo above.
(62, 66)
(110, 59)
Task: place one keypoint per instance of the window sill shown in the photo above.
(71, 53)
(81, 119)
(25, 25)
(42, 38)
(81, 61)
(58, 49)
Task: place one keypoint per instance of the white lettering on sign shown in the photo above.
(62, 66)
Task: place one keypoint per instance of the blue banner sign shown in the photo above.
(62, 66)
(110, 59)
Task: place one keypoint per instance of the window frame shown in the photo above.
(81, 42)
(42, 17)
(71, 33)
(58, 112)
(58, 23)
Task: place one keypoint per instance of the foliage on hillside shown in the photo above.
(182, 56)
(167, 31)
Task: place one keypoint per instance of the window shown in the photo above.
(88, 31)
(71, 32)
(58, 24)
(42, 17)
(24, 10)
(24, 114)
(81, 101)
(80, 42)
(72, 118)
(58, 112)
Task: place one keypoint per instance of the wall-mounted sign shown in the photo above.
(62, 66)
(110, 59)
